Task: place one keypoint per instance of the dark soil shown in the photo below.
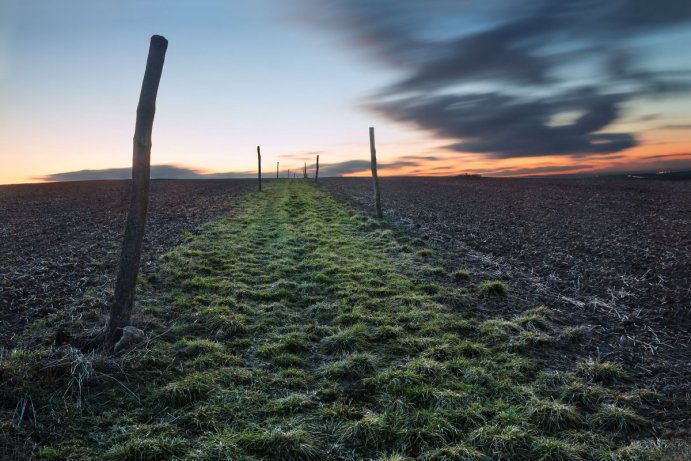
(59, 241)
(612, 256)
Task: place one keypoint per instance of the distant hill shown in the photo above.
(647, 175)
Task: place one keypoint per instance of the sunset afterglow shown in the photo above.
(451, 87)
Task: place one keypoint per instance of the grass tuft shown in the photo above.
(552, 449)
(455, 453)
(187, 347)
(350, 339)
(151, 448)
(617, 418)
(587, 395)
(602, 372)
(535, 321)
(461, 274)
(281, 443)
(552, 415)
(504, 442)
(353, 366)
(192, 388)
(434, 270)
(493, 288)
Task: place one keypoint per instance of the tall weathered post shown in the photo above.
(130, 255)
(259, 168)
(288, 173)
(277, 170)
(375, 178)
(316, 171)
(304, 171)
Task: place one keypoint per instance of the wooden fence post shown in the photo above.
(304, 171)
(259, 168)
(277, 170)
(316, 171)
(375, 178)
(130, 256)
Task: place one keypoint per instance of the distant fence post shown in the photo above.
(130, 256)
(259, 168)
(375, 178)
(277, 170)
(316, 171)
(288, 173)
(304, 171)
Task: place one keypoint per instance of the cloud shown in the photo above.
(342, 168)
(675, 156)
(359, 166)
(157, 172)
(495, 75)
(303, 156)
(540, 170)
(180, 172)
(420, 157)
(514, 127)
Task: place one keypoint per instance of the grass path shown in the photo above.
(290, 331)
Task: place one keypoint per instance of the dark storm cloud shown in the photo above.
(157, 172)
(533, 60)
(515, 127)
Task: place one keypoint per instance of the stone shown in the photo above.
(131, 336)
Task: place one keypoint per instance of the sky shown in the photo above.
(494, 87)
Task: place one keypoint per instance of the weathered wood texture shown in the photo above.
(130, 256)
(259, 168)
(316, 171)
(375, 178)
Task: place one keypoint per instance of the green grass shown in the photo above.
(493, 288)
(434, 270)
(602, 372)
(290, 331)
(461, 274)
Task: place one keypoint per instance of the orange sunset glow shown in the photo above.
(299, 78)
